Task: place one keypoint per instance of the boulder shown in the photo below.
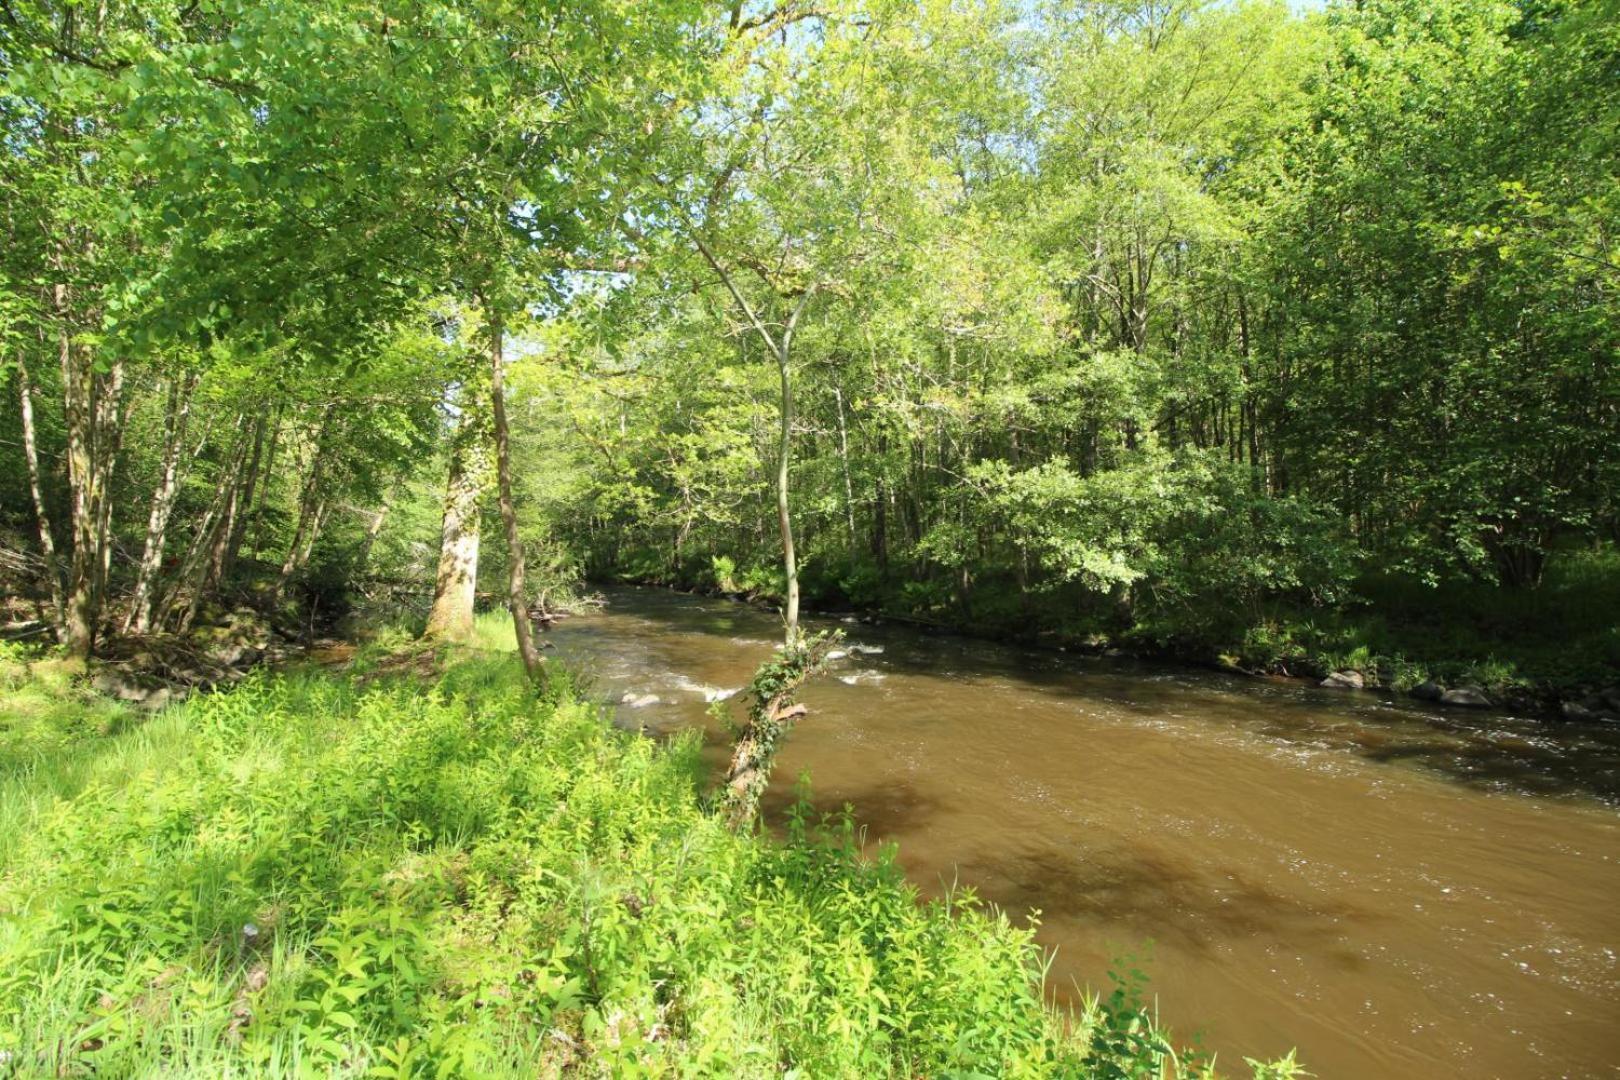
(1344, 680)
(1428, 690)
(1611, 698)
(1466, 697)
(1574, 710)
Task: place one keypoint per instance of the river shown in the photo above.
(1396, 890)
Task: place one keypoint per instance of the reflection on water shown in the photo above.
(1398, 891)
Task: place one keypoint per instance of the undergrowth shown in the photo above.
(320, 873)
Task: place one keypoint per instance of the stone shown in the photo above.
(1428, 690)
(1466, 697)
(1344, 680)
(638, 701)
(1574, 710)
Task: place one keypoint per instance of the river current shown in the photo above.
(1397, 890)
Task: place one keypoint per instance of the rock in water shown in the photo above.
(1428, 690)
(1344, 680)
(638, 701)
(1466, 697)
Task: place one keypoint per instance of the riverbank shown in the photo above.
(372, 871)
(1552, 652)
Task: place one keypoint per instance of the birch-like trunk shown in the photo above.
(515, 597)
(378, 517)
(47, 543)
(175, 421)
(784, 519)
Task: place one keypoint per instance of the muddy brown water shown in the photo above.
(1395, 890)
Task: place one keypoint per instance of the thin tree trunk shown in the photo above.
(79, 623)
(47, 544)
(378, 517)
(157, 520)
(243, 511)
(188, 585)
(308, 505)
(784, 520)
(257, 511)
(503, 481)
(109, 449)
(843, 460)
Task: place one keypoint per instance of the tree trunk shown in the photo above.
(189, 584)
(843, 460)
(255, 515)
(243, 510)
(784, 522)
(109, 448)
(515, 598)
(378, 516)
(47, 544)
(157, 520)
(456, 586)
(770, 716)
(87, 476)
(309, 504)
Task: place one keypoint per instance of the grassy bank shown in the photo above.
(393, 875)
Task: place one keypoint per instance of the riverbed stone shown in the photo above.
(1579, 713)
(1344, 680)
(1466, 697)
(638, 701)
(1428, 690)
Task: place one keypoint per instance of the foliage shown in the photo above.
(303, 875)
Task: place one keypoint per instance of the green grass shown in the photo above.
(459, 877)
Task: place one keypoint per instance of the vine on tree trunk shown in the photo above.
(772, 711)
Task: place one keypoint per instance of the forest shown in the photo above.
(1276, 338)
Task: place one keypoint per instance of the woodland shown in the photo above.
(1282, 338)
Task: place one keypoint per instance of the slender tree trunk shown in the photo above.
(309, 504)
(515, 598)
(378, 517)
(157, 520)
(243, 510)
(109, 449)
(188, 585)
(78, 391)
(843, 461)
(47, 544)
(455, 589)
(255, 517)
(784, 520)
